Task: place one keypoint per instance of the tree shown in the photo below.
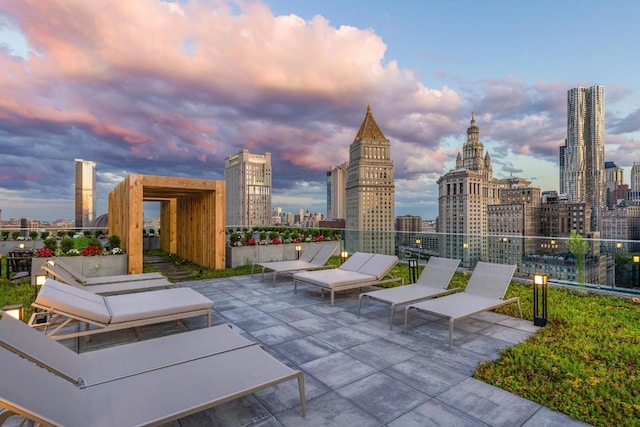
(578, 247)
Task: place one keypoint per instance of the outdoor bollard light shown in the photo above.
(21, 246)
(540, 298)
(40, 279)
(413, 270)
(344, 255)
(16, 311)
(636, 261)
(298, 249)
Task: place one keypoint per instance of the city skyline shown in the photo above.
(174, 88)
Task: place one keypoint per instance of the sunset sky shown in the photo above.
(172, 88)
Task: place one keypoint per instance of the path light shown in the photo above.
(298, 249)
(344, 255)
(413, 270)
(40, 279)
(16, 311)
(540, 299)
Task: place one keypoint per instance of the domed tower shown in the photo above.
(473, 148)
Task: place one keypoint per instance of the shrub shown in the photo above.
(44, 235)
(66, 244)
(114, 241)
(62, 233)
(71, 233)
(5, 235)
(86, 233)
(34, 234)
(15, 235)
(50, 243)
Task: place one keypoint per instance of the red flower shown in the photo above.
(91, 250)
(276, 241)
(320, 239)
(251, 242)
(44, 252)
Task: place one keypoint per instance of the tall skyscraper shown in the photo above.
(247, 180)
(635, 177)
(336, 191)
(463, 196)
(85, 211)
(584, 178)
(370, 190)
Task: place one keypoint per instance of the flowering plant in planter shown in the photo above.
(320, 239)
(91, 250)
(276, 241)
(116, 251)
(44, 252)
(251, 242)
(72, 252)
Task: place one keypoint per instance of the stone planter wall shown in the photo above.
(247, 255)
(150, 243)
(89, 266)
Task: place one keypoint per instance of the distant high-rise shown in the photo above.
(463, 197)
(336, 191)
(584, 178)
(613, 179)
(370, 190)
(635, 177)
(85, 211)
(247, 180)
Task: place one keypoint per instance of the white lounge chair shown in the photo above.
(105, 279)
(148, 392)
(53, 270)
(485, 291)
(315, 259)
(362, 269)
(433, 282)
(64, 305)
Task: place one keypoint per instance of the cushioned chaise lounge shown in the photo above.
(64, 305)
(194, 371)
(485, 291)
(362, 269)
(433, 282)
(102, 287)
(105, 279)
(315, 259)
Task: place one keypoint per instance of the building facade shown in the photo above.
(370, 191)
(613, 177)
(247, 180)
(583, 172)
(463, 196)
(336, 192)
(85, 192)
(635, 177)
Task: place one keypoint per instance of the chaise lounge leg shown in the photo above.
(451, 333)
(303, 403)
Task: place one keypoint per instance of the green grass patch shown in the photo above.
(584, 363)
(20, 292)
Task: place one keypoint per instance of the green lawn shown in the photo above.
(584, 363)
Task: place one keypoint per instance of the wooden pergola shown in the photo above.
(192, 218)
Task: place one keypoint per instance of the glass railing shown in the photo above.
(604, 264)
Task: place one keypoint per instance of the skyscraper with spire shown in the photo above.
(370, 191)
(463, 196)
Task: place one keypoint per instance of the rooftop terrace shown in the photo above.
(357, 371)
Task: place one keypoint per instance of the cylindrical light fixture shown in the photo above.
(413, 270)
(540, 299)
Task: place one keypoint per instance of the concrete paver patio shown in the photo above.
(358, 372)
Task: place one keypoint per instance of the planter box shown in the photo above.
(247, 255)
(150, 243)
(89, 266)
